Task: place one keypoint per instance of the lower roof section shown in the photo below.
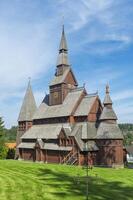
(109, 131)
(47, 146)
(47, 131)
(26, 145)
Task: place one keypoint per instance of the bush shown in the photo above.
(3, 151)
(10, 154)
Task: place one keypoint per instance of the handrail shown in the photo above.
(64, 159)
(72, 156)
(69, 157)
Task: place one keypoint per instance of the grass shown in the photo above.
(33, 181)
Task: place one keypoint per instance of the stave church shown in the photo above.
(70, 126)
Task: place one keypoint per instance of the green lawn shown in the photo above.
(33, 181)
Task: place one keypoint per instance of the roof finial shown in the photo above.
(84, 85)
(29, 78)
(63, 23)
(107, 89)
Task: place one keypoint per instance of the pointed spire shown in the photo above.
(107, 99)
(108, 127)
(28, 107)
(107, 89)
(63, 55)
(108, 112)
(63, 43)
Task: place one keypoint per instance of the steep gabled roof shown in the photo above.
(89, 130)
(61, 79)
(28, 107)
(108, 114)
(46, 131)
(45, 111)
(85, 130)
(109, 131)
(85, 105)
(107, 99)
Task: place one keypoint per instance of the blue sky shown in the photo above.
(100, 41)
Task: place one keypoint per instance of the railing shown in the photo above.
(71, 158)
(67, 157)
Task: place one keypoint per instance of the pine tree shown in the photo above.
(3, 149)
(1, 128)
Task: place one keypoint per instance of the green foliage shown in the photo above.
(10, 154)
(128, 139)
(3, 148)
(33, 181)
(10, 134)
(126, 127)
(3, 151)
(1, 128)
(127, 130)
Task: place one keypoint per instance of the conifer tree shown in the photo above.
(3, 149)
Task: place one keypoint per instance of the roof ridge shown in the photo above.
(90, 95)
(77, 89)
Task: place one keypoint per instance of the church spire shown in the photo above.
(107, 99)
(28, 106)
(63, 43)
(108, 112)
(63, 51)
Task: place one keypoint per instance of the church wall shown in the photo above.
(55, 94)
(95, 111)
(28, 154)
(110, 152)
(53, 156)
(58, 92)
(70, 79)
(23, 126)
(51, 120)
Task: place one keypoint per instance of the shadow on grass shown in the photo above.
(69, 186)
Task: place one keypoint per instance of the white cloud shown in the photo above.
(122, 95)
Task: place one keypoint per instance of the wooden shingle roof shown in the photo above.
(45, 111)
(85, 105)
(28, 107)
(109, 131)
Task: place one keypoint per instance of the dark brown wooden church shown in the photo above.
(69, 122)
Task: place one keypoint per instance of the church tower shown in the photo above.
(27, 111)
(110, 138)
(64, 79)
